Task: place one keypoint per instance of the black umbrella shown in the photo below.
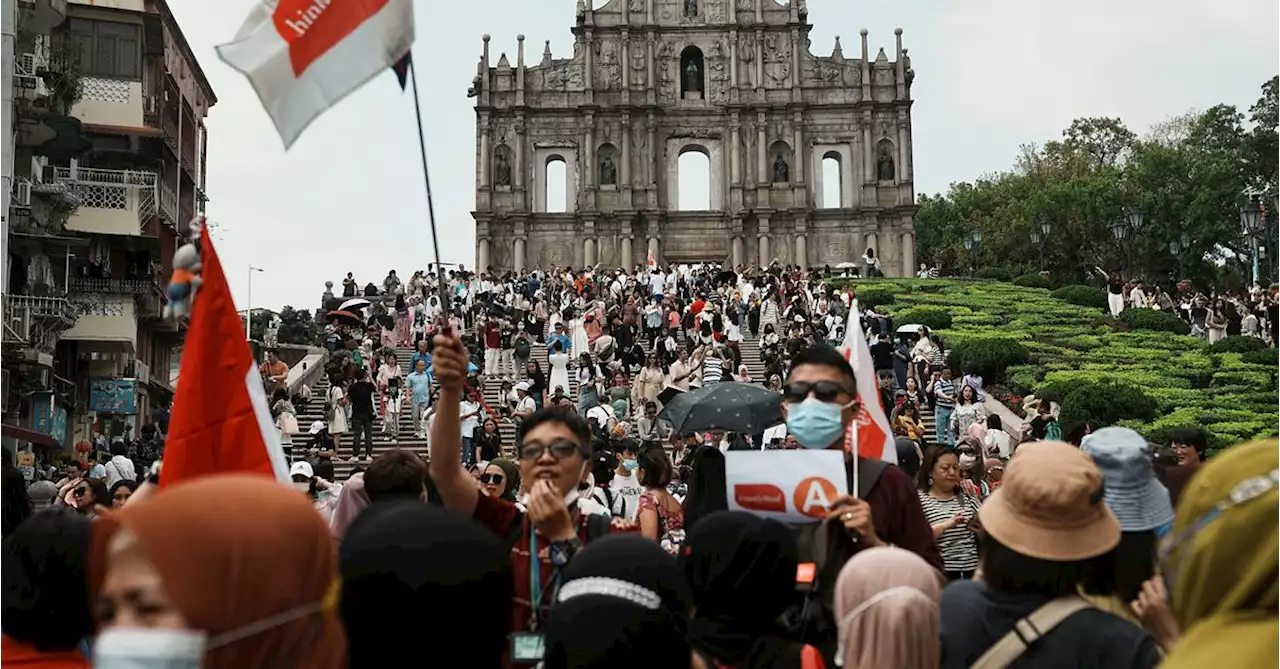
(344, 317)
(730, 406)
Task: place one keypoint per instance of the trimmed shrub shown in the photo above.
(1081, 295)
(1104, 402)
(1266, 356)
(1033, 281)
(934, 318)
(996, 273)
(1239, 344)
(873, 297)
(990, 357)
(1150, 319)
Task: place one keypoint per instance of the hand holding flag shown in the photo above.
(870, 431)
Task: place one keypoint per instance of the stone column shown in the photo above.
(737, 250)
(765, 256)
(518, 260)
(762, 152)
(802, 253)
(589, 156)
(482, 254)
(872, 241)
(868, 151)
(908, 254)
(797, 148)
(589, 252)
(627, 261)
(624, 170)
(735, 152)
(485, 153)
(653, 250)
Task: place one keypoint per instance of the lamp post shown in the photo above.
(972, 246)
(1039, 236)
(248, 309)
(1177, 247)
(1250, 223)
(1125, 230)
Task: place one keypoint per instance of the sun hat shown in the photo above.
(1138, 500)
(1049, 505)
(302, 468)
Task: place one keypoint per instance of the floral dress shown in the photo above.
(670, 527)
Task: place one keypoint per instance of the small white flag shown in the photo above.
(303, 56)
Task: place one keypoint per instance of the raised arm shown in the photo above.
(456, 489)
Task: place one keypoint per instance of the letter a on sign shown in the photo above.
(303, 56)
(813, 497)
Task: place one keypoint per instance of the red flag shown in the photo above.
(871, 430)
(220, 421)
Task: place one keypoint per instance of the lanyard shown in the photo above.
(535, 580)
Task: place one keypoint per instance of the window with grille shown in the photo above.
(107, 48)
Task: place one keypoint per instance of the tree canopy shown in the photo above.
(1190, 176)
(297, 326)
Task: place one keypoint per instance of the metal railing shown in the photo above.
(99, 188)
(41, 306)
(168, 202)
(129, 286)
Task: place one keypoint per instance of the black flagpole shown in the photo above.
(426, 177)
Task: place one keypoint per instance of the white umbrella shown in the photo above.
(846, 265)
(910, 329)
(354, 304)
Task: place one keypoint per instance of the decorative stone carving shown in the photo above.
(555, 255)
(501, 168)
(639, 62)
(746, 5)
(608, 75)
(690, 8)
(692, 77)
(882, 76)
(884, 165)
(746, 54)
(608, 172)
(637, 6)
(835, 251)
(821, 71)
(777, 59)
(716, 12)
(666, 66)
(718, 65)
(781, 173)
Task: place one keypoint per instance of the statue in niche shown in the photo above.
(781, 172)
(501, 169)
(692, 77)
(690, 8)
(608, 172)
(884, 168)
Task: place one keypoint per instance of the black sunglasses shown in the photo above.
(823, 391)
(560, 449)
(491, 478)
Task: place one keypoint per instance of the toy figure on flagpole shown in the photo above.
(185, 281)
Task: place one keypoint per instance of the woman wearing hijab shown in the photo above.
(622, 604)
(501, 479)
(742, 571)
(417, 577)
(887, 610)
(46, 613)
(351, 502)
(1220, 561)
(247, 583)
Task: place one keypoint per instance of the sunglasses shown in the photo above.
(823, 391)
(560, 449)
(492, 479)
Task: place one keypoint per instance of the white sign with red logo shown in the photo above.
(795, 486)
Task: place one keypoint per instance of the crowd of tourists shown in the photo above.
(1212, 316)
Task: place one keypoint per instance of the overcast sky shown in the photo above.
(990, 75)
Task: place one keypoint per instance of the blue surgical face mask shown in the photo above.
(816, 424)
(630, 465)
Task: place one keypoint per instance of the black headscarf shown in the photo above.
(622, 604)
(46, 582)
(416, 576)
(743, 573)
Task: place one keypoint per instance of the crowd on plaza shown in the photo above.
(602, 536)
(1212, 317)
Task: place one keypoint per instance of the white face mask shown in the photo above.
(145, 648)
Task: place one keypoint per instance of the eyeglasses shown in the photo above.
(823, 391)
(492, 479)
(560, 449)
(1243, 492)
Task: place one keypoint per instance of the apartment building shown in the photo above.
(109, 168)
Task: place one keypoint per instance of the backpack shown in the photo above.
(522, 348)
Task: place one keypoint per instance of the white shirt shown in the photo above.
(469, 424)
(626, 495)
(526, 405)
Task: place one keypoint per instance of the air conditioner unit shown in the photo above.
(22, 194)
(24, 71)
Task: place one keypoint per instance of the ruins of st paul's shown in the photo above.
(735, 80)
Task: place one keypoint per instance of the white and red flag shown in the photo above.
(303, 56)
(220, 421)
(870, 432)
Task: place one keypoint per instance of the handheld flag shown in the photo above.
(303, 56)
(220, 421)
(870, 432)
(401, 68)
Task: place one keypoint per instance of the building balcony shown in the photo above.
(37, 321)
(41, 16)
(123, 286)
(168, 202)
(106, 322)
(112, 202)
(118, 103)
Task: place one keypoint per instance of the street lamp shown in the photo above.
(1135, 217)
(972, 245)
(1250, 223)
(1038, 235)
(1120, 229)
(248, 310)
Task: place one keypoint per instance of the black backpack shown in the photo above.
(522, 348)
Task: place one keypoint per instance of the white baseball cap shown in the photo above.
(523, 386)
(316, 427)
(302, 468)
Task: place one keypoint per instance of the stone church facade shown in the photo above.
(732, 79)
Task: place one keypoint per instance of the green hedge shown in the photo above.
(1033, 281)
(933, 318)
(1104, 402)
(1266, 356)
(990, 357)
(1085, 296)
(1237, 344)
(874, 297)
(995, 272)
(1150, 319)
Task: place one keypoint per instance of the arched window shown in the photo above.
(780, 163)
(832, 181)
(607, 165)
(693, 174)
(556, 180)
(692, 74)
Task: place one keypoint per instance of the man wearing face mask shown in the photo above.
(554, 448)
(625, 489)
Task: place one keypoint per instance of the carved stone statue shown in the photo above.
(781, 172)
(692, 77)
(884, 168)
(690, 8)
(501, 169)
(608, 173)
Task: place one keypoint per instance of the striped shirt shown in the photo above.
(944, 387)
(712, 370)
(959, 546)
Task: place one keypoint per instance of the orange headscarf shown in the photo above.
(233, 550)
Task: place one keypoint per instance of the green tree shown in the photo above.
(297, 326)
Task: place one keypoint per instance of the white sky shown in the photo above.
(990, 75)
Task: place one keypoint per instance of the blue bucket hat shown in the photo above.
(1138, 500)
